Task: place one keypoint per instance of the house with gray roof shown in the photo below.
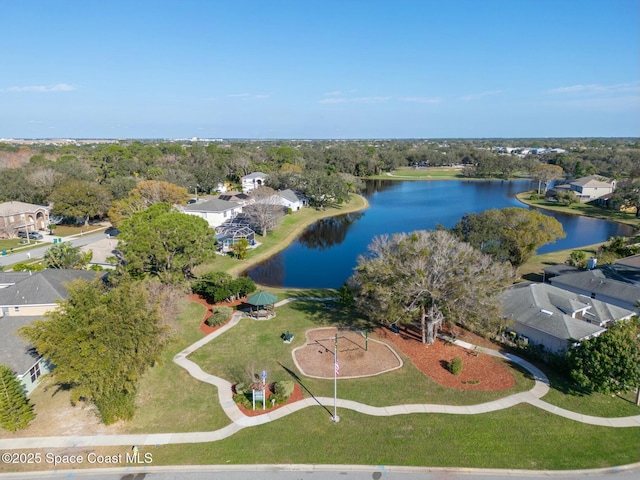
(252, 181)
(595, 284)
(37, 292)
(554, 318)
(214, 211)
(293, 200)
(24, 298)
(17, 354)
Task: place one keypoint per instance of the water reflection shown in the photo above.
(270, 272)
(328, 232)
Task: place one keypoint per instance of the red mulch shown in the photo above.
(295, 396)
(481, 372)
(204, 328)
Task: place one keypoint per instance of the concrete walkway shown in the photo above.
(240, 420)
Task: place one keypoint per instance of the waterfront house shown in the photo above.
(594, 284)
(214, 211)
(554, 318)
(293, 200)
(588, 188)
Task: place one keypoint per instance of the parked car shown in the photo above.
(192, 201)
(31, 235)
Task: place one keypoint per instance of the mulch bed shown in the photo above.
(479, 372)
(204, 328)
(295, 396)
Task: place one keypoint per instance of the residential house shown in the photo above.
(594, 284)
(554, 318)
(24, 298)
(234, 196)
(16, 216)
(293, 200)
(588, 188)
(38, 292)
(214, 211)
(252, 181)
(17, 354)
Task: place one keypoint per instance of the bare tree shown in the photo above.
(429, 277)
(266, 210)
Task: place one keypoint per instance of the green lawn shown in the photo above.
(68, 230)
(522, 437)
(532, 269)
(582, 209)
(252, 346)
(565, 395)
(169, 399)
(429, 173)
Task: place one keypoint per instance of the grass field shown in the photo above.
(423, 173)
(521, 437)
(252, 346)
(507, 439)
(169, 399)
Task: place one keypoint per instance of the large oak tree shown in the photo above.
(162, 242)
(101, 341)
(429, 277)
(509, 234)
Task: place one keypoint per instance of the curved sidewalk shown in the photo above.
(240, 420)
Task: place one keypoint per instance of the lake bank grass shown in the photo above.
(281, 237)
(583, 209)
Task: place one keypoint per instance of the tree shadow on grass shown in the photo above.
(330, 312)
(295, 376)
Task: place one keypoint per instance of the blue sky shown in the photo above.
(319, 69)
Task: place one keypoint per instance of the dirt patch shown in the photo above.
(479, 370)
(55, 415)
(356, 356)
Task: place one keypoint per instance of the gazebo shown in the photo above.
(262, 305)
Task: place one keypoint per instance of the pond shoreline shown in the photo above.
(361, 204)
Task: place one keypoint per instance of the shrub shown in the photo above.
(455, 366)
(534, 196)
(241, 388)
(283, 390)
(220, 316)
(241, 399)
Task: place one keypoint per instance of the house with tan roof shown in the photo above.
(588, 188)
(20, 216)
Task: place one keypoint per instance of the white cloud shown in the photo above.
(476, 96)
(333, 93)
(421, 99)
(60, 87)
(597, 89)
(354, 100)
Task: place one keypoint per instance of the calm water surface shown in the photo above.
(325, 253)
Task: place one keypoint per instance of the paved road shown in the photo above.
(20, 255)
(323, 472)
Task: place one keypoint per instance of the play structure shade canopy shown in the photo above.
(262, 298)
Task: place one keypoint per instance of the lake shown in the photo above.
(325, 254)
